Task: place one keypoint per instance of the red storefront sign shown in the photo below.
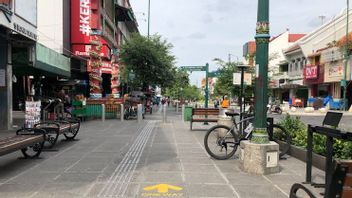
(311, 72)
(83, 50)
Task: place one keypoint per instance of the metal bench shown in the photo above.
(68, 127)
(29, 141)
(340, 184)
(204, 112)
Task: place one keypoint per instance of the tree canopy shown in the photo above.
(224, 84)
(181, 88)
(149, 59)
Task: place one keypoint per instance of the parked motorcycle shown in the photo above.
(272, 108)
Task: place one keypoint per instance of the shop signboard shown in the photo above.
(83, 50)
(331, 55)
(333, 71)
(32, 113)
(311, 72)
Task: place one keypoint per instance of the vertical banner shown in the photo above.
(80, 21)
(32, 114)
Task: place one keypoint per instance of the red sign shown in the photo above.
(80, 21)
(311, 72)
(83, 50)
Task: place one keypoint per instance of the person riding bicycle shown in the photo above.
(225, 103)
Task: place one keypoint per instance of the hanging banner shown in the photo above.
(236, 78)
(80, 21)
(247, 79)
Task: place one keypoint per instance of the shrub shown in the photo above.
(298, 131)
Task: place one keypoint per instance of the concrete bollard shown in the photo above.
(177, 107)
(183, 113)
(122, 112)
(103, 112)
(164, 113)
(139, 113)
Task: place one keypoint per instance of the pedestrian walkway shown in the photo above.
(148, 159)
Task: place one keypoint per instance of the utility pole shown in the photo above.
(206, 85)
(148, 18)
(260, 135)
(344, 81)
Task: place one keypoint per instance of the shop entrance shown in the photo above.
(106, 84)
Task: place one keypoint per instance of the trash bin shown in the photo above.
(224, 120)
(188, 113)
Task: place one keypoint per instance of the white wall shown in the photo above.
(275, 50)
(50, 24)
(331, 31)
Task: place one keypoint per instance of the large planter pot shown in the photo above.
(301, 154)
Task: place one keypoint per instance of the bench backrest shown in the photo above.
(205, 111)
(341, 181)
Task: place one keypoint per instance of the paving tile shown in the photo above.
(262, 191)
(63, 190)
(157, 177)
(127, 190)
(11, 190)
(199, 168)
(163, 167)
(76, 177)
(210, 190)
(198, 160)
(240, 178)
(204, 178)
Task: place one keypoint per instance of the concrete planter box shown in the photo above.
(301, 154)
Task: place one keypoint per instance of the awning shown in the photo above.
(52, 61)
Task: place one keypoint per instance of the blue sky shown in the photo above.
(202, 30)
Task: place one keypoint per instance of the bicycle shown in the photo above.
(225, 138)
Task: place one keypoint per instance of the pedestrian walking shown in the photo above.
(225, 103)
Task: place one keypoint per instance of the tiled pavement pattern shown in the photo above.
(114, 159)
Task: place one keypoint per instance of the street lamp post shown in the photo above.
(344, 82)
(262, 37)
(242, 100)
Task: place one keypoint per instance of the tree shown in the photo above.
(149, 59)
(181, 81)
(191, 93)
(224, 84)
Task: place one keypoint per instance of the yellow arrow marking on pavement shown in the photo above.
(162, 188)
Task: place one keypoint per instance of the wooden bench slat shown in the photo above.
(204, 120)
(19, 141)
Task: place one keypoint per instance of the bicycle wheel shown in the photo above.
(282, 137)
(221, 142)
